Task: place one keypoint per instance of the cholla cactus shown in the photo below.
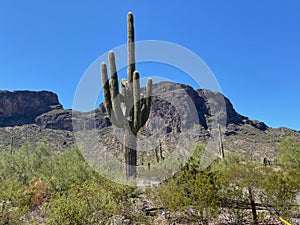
(127, 109)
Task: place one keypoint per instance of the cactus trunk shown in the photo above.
(130, 153)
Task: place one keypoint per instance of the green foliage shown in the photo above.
(274, 189)
(87, 203)
(224, 187)
(234, 180)
(278, 192)
(70, 192)
(59, 171)
(289, 153)
(194, 163)
(26, 163)
(195, 193)
(131, 211)
(34, 175)
(68, 169)
(13, 203)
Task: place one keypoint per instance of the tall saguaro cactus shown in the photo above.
(127, 109)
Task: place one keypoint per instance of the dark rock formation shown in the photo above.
(217, 100)
(170, 104)
(22, 107)
(170, 111)
(56, 119)
(65, 119)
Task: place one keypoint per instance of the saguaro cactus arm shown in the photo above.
(114, 90)
(137, 119)
(107, 96)
(147, 102)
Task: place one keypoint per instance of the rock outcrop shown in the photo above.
(29, 117)
(22, 107)
(174, 107)
(65, 119)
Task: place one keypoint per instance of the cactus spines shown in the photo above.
(127, 109)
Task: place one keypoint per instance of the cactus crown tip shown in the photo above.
(136, 75)
(111, 55)
(130, 16)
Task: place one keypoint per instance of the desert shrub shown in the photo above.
(87, 203)
(234, 180)
(26, 163)
(13, 202)
(34, 175)
(278, 190)
(67, 169)
(195, 194)
(288, 154)
(131, 212)
(94, 202)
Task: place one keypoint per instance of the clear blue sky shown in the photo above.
(253, 47)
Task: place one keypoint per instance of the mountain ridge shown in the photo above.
(56, 124)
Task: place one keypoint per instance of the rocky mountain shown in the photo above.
(31, 116)
(22, 107)
(43, 108)
(163, 106)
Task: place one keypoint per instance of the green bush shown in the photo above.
(13, 202)
(87, 203)
(289, 153)
(71, 192)
(195, 193)
(26, 163)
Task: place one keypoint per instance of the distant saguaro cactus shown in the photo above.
(221, 148)
(127, 109)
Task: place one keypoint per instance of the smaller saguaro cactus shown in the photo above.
(127, 108)
(160, 150)
(221, 147)
(156, 154)
(12, 145)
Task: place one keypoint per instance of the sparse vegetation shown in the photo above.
(38, 186)
(63, 188)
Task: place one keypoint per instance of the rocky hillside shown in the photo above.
(176, 108)
(22, 107)
(168, 102)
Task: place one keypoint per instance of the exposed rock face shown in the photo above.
(169, 104)
(63, 120)
(48, 121)
(169, 112)
(22, 107)
(216, 99)
(212, 108)
(56, 119)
